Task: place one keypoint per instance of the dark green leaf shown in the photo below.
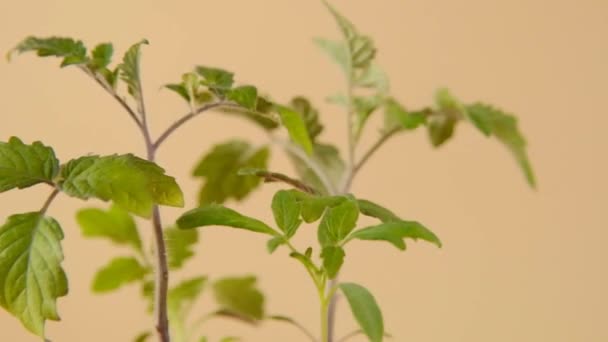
(240, 296)
(115, 224)
(216, 79)
(310, 115)
(294, 122)
(179, 246)
(397, 116)
(143, 337)
(132, 183)
(23, 165)
(441, 128)
(395, 232)
(72, 51)
(338, 222)
(119, 272)
(365, 309)
(286, 210)
(31, 277)
(369, 208)
(101, 56)
(313, 207)
(246, 96)
(129, 69)
(492, 121)
(220, 169)
(333, 258)
(218, 215)
(180, 89)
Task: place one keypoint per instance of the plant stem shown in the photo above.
(182, 120)
(374, 148)
(325, 336)
(48, 201)
(279, 177)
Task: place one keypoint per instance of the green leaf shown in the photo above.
(263, 115)
(286, 210)
(120, 271)
(397, 116)
(338, 222)
(101, 56)
(217, 80)
(375, 78)
(310, 115)
(492, 121)
(338, 51)
(143, 337)
(441, 123)
(72, 51)
(180, 300)
(274, 243)
(329, 160)
(22, 166)
(220, 169)
(129, 69)
(31, 277)
(115, 224)
(296, 127)
(313, 207)
(179, 246)
(395, 232)
(333, 258)
(180, 89)
(364, 107)
(132, 183)
(365, 309)
(240, 296)
(246, 96)
(369, 208)
(218, 215)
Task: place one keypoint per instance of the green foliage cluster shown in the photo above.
(31, 274)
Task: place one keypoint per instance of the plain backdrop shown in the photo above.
(517, 265)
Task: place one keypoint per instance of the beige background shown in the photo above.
(517, 265)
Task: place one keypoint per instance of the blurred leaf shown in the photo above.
(179, 246)
(329, 160)
(120, 271)
(294, 122)
(143, 337)
(31, 277)
(246, 96)
(492, 121)
(132, 183)
(338, 51)
(263, 114)
(218, 215)
(395, 232)
(101, 56)
(338, 222)
(129, 70)
(286, 210)
(240, 296)
(22, 165)
(72, 51)
(365, 309)
(375, 78)
(274, 243)
(310, 115)
(115, 224)
(220, 168)
(218, 81)
(333, 258)
(180, 300)
(397, 116)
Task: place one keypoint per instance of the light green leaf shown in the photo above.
(329, 160)
(333, 258)
(218, 215)
(72, 51)
(492, 121)
(274, 243)
(180, 300)
(120, 271)
(364, 106)
(294, 122)
(132, 183)
(240, 296)
(22, 165)
(286, 210)
(313, 207)
(397, 116)
(338, 222)
(395, 232)
(310, 115)
(338, 51)
(375, 78)
(230, 339)
(179, 246)
(31, 277)
(365, 309)
(180, 89)
(129, 69)
(246, 96)
(369, 208)
(115, 224)
(101, 56)
(217, 80)
(220, 169)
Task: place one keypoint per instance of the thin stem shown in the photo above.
(374, 148)
(349, 336)
(48, 201)
(325, 335)
(279, 177)
(295, 324)
(298, 152)
(182, 120)
(162, 278)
